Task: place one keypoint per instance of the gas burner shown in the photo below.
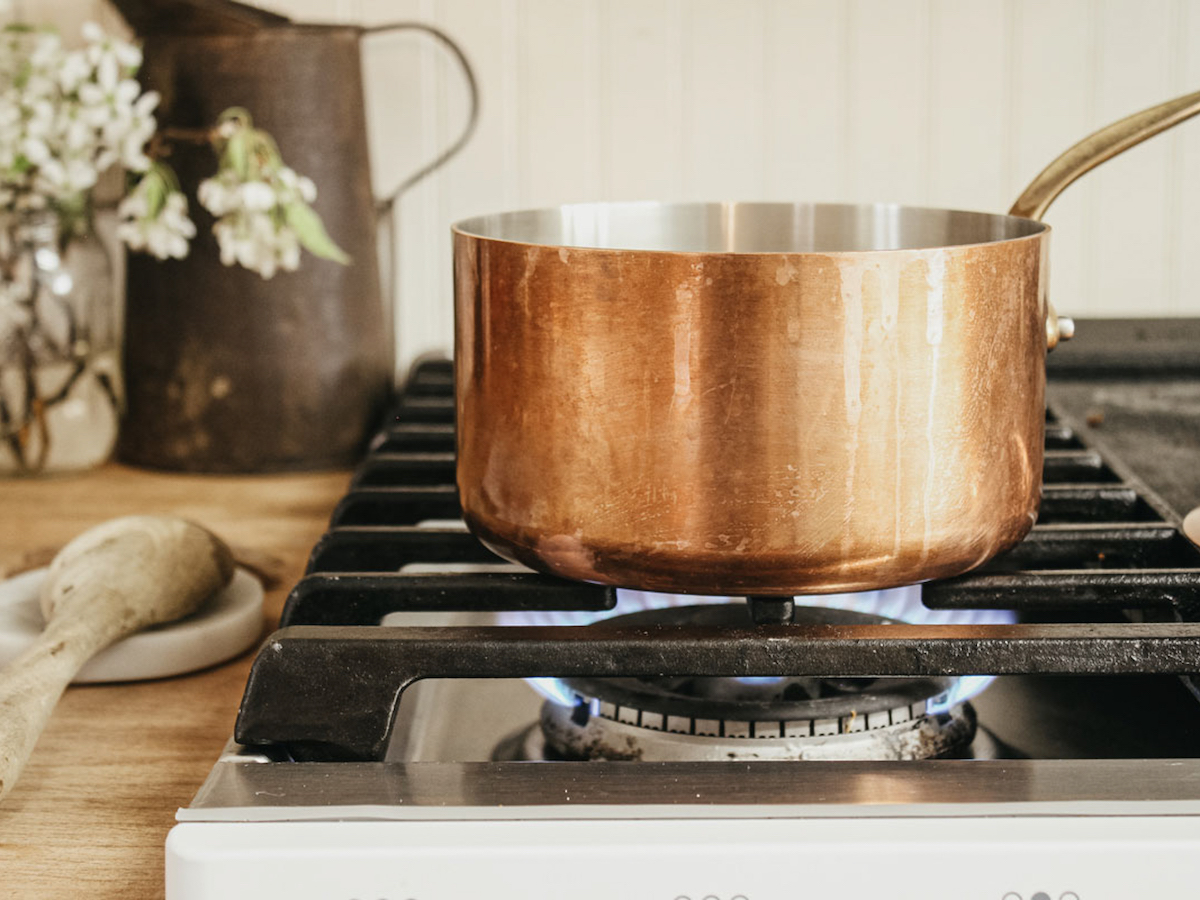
(693, 718)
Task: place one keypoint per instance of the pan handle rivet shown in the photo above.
(1058, 328)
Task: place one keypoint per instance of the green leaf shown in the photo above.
(156, 192)
(167, 174)
(237, 154)
(303, 220)
(21, 78)
(267, 158)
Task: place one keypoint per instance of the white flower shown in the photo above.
(67, 116)
(226, 241)
(133, 206)
(53, 174)
(298, 184)
(40, 118)
(165, 232)
(250, 241)
(131, 153)
(72, 70)
(35, 150)
(126, 93)
(262, 220)
(218, 198)
(76, 135)
(46, 50)
(289, 251)
(101, 47)
(257, 196)
(145, 104)
(108, 72)
(252, 238)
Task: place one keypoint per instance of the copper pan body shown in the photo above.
(763, 399)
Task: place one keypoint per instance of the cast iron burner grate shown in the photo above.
(327, 685)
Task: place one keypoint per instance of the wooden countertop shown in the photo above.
(91, 812)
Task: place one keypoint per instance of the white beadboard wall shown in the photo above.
(937, 102)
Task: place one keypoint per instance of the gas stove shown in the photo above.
(431, 721)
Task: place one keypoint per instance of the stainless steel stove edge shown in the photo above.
(244, 787)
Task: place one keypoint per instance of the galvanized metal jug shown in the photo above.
(227, 372)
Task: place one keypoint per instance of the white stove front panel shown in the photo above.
(931, 858)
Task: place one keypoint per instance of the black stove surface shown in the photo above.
(1132, 388)
(1103, 717)
(1101, 587)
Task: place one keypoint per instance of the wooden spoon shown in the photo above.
(1191, 526)
(111, 581)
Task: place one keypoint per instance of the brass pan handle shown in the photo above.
(1100, 147)
(1085, 156)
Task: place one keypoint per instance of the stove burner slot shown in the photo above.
(1087, 466)
(418, 438)
(433, 407)
(1058, 591)
(331, 693)
(1061, 437)
(431, 375)
(1101, 546)
(1076, 503)
(364, 599)
(397, 505)
(386, 549)
(408, 469)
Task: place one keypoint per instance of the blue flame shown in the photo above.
(962, 690)
(554, 689)
(902, 603)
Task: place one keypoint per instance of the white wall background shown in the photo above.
(937, 102)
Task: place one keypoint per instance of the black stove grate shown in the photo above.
(326, 686)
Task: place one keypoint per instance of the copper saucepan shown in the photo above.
(760, 398)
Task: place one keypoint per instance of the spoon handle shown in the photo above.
(32, 683)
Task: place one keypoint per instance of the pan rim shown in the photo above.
(490, 227)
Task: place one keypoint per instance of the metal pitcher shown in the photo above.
(227, 372)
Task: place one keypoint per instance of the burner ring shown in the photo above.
(748, 718)
(926, 737)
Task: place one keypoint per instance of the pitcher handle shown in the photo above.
(385, 207)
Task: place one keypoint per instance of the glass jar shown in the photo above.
(60, 380)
